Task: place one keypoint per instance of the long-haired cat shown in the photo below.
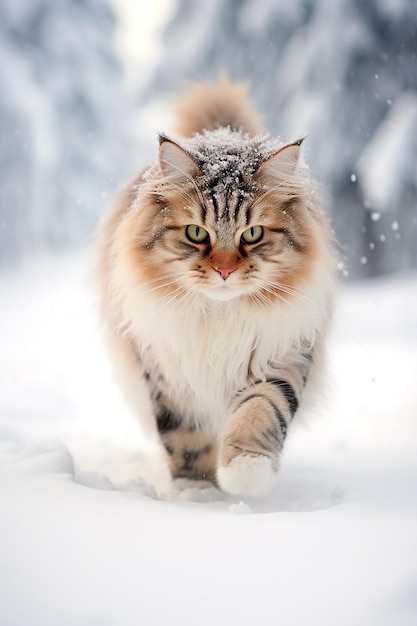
(217, 278)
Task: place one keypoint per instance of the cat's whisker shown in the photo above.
(162, 296)
(183, 303)
(162, 286)
(166, 281)
(175, 295)
(163, 277)
(281, 298)
(164, 305)
(253, 299)
(260, 301)
(158, 278)
(278, 296)
(296, 293)
(274, 285)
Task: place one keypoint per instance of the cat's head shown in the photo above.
(225, 216)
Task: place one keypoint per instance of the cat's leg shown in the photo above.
(254, 436)
(192, 452)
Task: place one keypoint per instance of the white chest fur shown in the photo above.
(208, 350)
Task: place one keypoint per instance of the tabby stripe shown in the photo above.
(271, 435)
(149, 245)
(167, 421)
(247, 215)
(279, 416)
(288, 392)
(215, 206)
(269, 440)
(308, 356)
(238, 206)
(188, 249)
(284, 231)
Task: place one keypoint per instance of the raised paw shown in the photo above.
(247, 475)
(251, 444)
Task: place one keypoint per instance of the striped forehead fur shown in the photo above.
(226, 181)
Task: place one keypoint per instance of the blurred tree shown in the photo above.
(62, 121)
(345, 74)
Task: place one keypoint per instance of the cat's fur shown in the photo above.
(227, 335)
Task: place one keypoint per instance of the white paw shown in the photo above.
(247, 475)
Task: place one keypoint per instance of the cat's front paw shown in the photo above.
(247, 475)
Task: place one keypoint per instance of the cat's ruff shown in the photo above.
(207, 347)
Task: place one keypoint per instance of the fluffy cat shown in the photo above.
(217, 276)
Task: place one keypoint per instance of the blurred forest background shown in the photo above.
(77, 116)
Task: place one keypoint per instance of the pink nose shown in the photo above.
(225, 271)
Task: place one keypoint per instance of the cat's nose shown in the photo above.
(225, 271)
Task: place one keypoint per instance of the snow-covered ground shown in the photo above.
(85, 541)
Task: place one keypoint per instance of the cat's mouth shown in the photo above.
(223, 292)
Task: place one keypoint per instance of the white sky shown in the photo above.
(140, 22)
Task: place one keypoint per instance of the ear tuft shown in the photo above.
(282, 164)
(174, 162)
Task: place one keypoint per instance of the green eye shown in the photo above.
(252, 234)
(197, 234)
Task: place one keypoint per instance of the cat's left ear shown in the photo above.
(175, 163)
(282, 164)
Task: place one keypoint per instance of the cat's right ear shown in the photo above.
(175, 163)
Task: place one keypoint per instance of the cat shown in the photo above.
(216, 275)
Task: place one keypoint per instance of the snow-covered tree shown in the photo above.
(62, 120)
(345, 74)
